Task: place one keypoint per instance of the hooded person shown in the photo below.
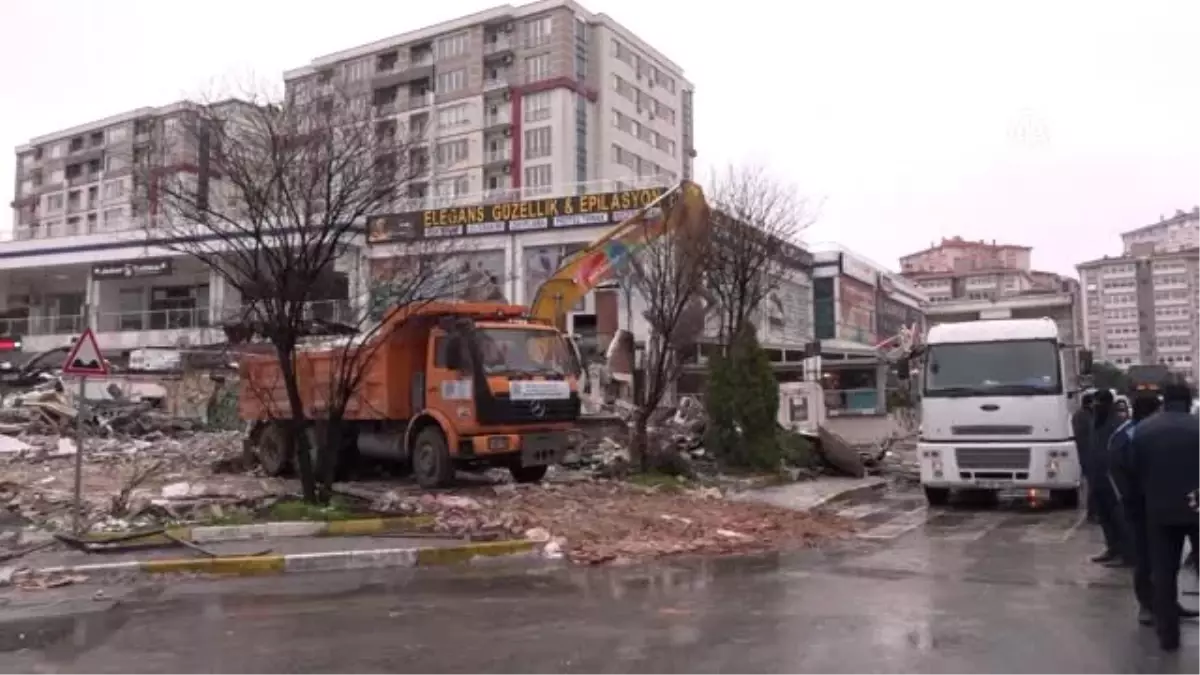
(1105, 422)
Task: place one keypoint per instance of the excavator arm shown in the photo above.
(683, 207)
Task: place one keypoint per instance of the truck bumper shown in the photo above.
(999, 466)
(534, 449)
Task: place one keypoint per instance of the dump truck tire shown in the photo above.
(1065, 499)
(271, 449)
(937, 496)
(431, 462)
(527, 474)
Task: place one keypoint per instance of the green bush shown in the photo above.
(742, 402)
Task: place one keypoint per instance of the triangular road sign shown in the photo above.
(85, 358)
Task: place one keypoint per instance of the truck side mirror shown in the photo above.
(1085, 362)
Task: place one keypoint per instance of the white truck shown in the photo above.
(996, 404)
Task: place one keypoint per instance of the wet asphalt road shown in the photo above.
(989, 590)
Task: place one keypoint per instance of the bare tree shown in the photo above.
(270, 193)
(668, 275)
(756, 221)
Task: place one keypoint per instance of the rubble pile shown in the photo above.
(128, 482)
(141, 465)
(602, 521)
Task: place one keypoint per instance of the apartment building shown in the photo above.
(521, 109)
(972, 280)
(1177, 233)
(517, 102)
(1141, 308)
(960, 255)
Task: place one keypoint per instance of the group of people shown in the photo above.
(1143, 470)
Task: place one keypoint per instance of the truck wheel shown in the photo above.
(937, 496)
(272, 450)
(527, 474)
(431, 461)
(1066, 499)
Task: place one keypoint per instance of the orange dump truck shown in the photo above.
(451, 385)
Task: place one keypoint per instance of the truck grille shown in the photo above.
(992, 430)
(1012, 459)
(517, 412)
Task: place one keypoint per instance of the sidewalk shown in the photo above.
(813, 494)
(269, 556)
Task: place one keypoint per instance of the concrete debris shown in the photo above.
(131, 482)
(606, 521)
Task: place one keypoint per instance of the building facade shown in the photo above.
(959, 255)
(518, 107)
(1141, 309)
(515, 102)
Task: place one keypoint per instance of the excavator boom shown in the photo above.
(682, 208)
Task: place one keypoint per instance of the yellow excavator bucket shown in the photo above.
(683, 209)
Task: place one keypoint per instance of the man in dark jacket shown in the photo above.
(1166, 466)
(1134, 505)
(1117, 547)
(1081, 425)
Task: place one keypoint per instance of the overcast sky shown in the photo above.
(1053, 124)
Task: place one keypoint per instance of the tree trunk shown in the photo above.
(639, 451)
(327, 456)
(297, 438)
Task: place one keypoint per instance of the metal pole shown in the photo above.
(79, 408)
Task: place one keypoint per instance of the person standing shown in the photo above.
(1133, 504)
(1081, 426)
(1166, 467)
(1108, 508)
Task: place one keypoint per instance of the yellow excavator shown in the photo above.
(681, 209)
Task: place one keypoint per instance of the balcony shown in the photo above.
(498, 120)
(500, 44)
(495, 84)
(500, 156)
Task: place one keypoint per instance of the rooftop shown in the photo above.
(959, 242)
(1186, 253)
(1179, 217)
(495, 14)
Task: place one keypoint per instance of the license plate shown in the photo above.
(992, 484)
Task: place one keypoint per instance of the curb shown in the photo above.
(211, 534)
(868, 488)
(325, 561)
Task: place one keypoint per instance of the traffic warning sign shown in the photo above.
(85, 358)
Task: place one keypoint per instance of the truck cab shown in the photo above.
(996, 405)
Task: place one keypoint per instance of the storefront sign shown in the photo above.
(483, 219)
(133, 269)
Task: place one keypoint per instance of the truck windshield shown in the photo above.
(523, 351)
(1024, 367)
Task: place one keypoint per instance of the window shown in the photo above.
(992, 368)
(56, 150)
(118, 134)
(54, 203)
(621, 52)
(114, 189)
(56, 176)
(453, 187)
(451, 46)
(113, 217)
(451, 81)
(537, 143)
(453, 116)
(538, 177)
(624, 88)
(114, 163)
(536, 31)
(356, 70)
(452, 152)
(537, 68)
(537, 106)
